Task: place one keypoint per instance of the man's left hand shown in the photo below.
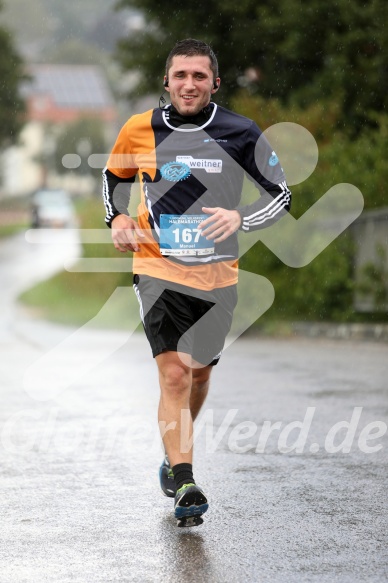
(220, 225)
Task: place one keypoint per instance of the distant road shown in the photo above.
(24, 264)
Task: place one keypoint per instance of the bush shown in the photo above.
(323, 290)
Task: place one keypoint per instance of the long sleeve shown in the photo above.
(264, 170)
(116, 195)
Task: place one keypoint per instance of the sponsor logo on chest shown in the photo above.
(209, 165)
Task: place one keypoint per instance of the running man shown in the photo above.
(191, 158)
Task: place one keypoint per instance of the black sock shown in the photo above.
(183, 474)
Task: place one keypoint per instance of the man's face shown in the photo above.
(190, 83)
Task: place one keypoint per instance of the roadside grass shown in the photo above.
(14, 215)
(13, 229)
(77, 298)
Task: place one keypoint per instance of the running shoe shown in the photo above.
(190, 503)
(166, 477)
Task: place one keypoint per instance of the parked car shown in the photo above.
(52, 208)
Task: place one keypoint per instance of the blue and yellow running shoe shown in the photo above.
(166, 477)
(190, 503)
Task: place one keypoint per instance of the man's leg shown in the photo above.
(182, 388)
(175, 380)
(199, 389)
(176, 425)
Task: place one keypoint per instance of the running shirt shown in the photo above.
(182, 169)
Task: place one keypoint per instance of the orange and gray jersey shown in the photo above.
(183, 169)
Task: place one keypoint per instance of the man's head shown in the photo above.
(191, 75)
(190, 47)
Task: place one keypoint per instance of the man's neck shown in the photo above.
(177, 119)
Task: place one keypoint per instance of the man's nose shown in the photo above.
(189, 82)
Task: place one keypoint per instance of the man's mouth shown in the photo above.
(188, 97)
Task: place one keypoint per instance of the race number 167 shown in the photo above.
(188, 235)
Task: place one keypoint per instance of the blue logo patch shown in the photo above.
(175, 171)
(273, 160)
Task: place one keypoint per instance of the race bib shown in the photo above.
(179, 235)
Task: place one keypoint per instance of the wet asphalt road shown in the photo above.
(79, 454)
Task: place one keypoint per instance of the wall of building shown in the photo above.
(370, 234)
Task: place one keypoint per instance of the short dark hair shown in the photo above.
(190, 47)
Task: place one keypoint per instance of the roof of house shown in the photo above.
(70, 86)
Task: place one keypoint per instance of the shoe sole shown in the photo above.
(187, 521)
(191, 504)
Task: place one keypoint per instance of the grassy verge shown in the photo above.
(14, 216)
(77, 298)
(13, 229)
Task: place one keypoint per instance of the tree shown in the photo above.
(294, 51)
(11, 103)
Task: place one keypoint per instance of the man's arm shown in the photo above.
(272, 205)
(125, 232)
(116, 195)
(221, 223)
(264, 169)
(264, 212)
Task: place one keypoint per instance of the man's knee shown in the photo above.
(201, 377)
(175, 377)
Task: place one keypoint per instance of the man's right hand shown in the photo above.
(124, 234)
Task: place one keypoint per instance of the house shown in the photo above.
(63, 93)
(57, 95)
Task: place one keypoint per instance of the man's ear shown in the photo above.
(216, 85)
